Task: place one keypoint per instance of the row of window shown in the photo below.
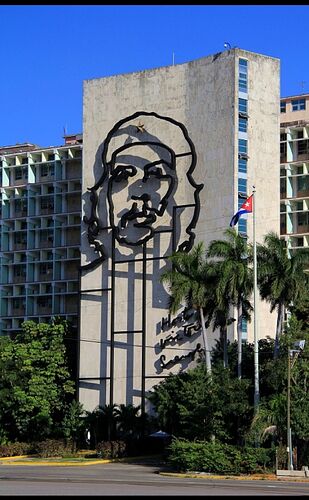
(243, 75)
(22, 172)
(242, 156)
(297, 105)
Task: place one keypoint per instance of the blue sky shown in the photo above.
(46, 52)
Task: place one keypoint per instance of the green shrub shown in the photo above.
(215, 457)
(111, 449)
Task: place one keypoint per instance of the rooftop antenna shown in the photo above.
(227, 45)
(173, 58)
(302, 85)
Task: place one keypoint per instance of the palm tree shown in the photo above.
(109, 415)
(128, 420)
(218, 309)
(190, 281)
(236, 282)
(281, 279)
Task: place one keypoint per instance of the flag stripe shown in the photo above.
(245, 208)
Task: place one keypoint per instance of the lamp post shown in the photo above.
(299, 346)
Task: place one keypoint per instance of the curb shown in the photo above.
(28, 460)
(56, 464)
(253, 477)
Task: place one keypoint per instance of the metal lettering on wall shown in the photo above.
(147, 163)
(186, 325)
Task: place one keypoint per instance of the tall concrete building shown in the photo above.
(40, 233)
(169, 155)
(294, 171)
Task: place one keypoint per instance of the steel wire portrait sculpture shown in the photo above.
(137, 163)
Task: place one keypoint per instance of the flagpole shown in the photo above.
(255, 296)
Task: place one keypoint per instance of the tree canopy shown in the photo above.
(35, 383)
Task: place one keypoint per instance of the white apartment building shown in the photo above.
(40, 233)
(294, 171)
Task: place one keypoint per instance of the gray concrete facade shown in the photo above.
(189, 113)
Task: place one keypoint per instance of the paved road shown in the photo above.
(119, 479)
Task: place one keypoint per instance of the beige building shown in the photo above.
(169, 155)
(294, 171)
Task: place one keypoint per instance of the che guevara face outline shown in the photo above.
(143, 210)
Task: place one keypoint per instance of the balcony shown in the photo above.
(303, 229)
(18, 311)
(303, 193)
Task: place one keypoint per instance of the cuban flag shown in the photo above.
(246, 208)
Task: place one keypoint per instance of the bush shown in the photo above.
(111, 449)
(215, 457)
(15, 449)
(53, 448)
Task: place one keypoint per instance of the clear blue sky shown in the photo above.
(48, 50)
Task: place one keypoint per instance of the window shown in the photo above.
(242, 124)
(46, 235)
(244, 329)
(298, 104)
(45, 302)
(282, 223)
(303, 147)
(302, 183)
(20, 238)
(20, 206)
(242, 225)
(243, 63)
(47, 170)
(300, 134)
(18, 173)
(244, 325)
(46, 268)
(21, 173)
(242, 186)
(299, 205)
(44, 170)
(20, 271)
(282, 107)
(283, 137)
(242, 165)
(300, 242)
(18, 303)
(283, 151)
(242, 105)
(303, 219)
(243, 75)
(242, 146)
(300, 170)
(47, 202)
(283, 186)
